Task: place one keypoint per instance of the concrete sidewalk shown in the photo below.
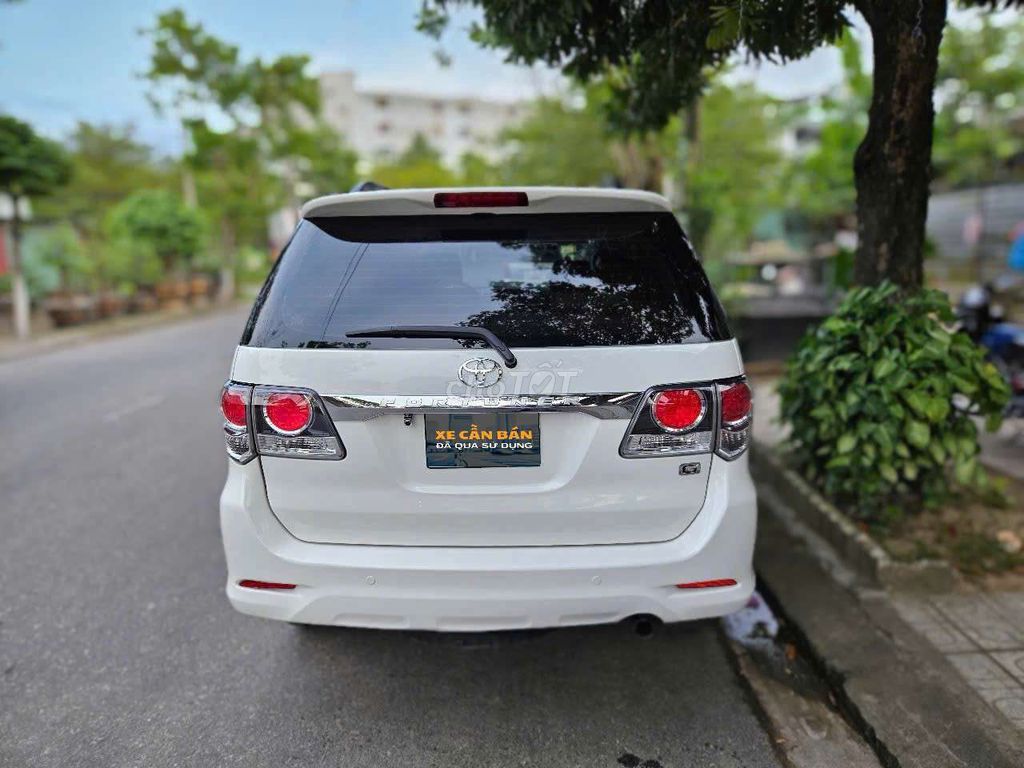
(982, 636)
(1003, 451)
(910, 702)
(963, 652)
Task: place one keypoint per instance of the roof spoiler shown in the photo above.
(368, 186)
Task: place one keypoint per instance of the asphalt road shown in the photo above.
(118, 648)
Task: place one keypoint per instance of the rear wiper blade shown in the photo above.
(438, 332)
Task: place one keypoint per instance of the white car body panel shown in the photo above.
(410, 202)
(431, 371)
(482, 589)
(583, 492)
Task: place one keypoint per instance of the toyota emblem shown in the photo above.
(480, 372)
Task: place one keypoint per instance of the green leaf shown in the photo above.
(837, 462)
(846, 443)
(883, 368)
(917, 401)
(936, 409)
(964, 471)
(821, 412)
(881, 436)
(726, 28)
(918, 434)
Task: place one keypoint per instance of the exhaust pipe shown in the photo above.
(643, 624)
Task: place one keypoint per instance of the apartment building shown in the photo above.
(380, 124)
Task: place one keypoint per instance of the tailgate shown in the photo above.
(580, 491)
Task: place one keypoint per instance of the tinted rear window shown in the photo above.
(535, 280)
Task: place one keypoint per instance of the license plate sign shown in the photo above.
(481, 440)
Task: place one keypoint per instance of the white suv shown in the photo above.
(487, 409)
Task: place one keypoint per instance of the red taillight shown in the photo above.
(678, 409)
(232, 405)
(288, 412)
(707, 584)
(736, 401)
(256, 584)
(480, 200)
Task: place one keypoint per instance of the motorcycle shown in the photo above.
(983, 319)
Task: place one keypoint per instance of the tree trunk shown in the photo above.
(20, 303)
(228, 244)
(699, 218)
(893, 163)
(188, 188)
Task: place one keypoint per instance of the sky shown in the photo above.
(67, 60)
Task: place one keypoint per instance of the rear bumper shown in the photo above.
(482, 589)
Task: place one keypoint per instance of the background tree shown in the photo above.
(108, 164)
(418, 166)
(320, 163)
(568, 140)
(821, 184)
(475, 170)
(559, 144)
(980, 90)
(30, 167)
(659, 53)
(253, 126)
(158, 222)
(737, 176)
(60, 249)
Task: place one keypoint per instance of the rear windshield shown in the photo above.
(534, 280)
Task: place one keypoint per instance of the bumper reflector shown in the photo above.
(256, 584)
(707, 584)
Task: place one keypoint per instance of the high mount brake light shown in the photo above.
(481, 200)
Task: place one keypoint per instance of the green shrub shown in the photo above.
(880, 398)
(59, 249)
(127, 264)
(159, 222)
(251, 266)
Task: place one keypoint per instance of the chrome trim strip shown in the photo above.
(606, 405)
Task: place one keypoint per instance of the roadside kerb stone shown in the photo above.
(862, 554)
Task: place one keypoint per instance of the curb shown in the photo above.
(865, 557)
